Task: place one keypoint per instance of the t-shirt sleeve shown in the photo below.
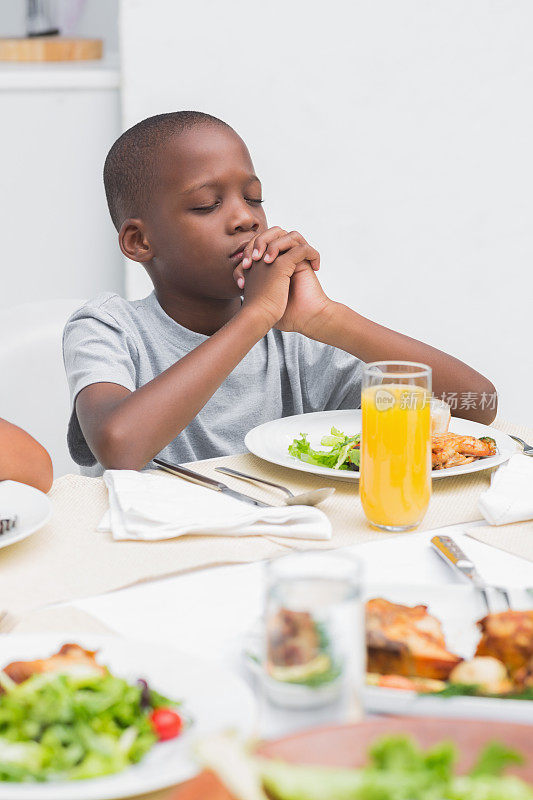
(331, 377)
(95, 349)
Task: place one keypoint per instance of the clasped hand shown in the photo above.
(278, 275)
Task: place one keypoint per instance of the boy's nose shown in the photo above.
(243, 219)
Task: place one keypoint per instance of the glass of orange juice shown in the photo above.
(395, 482)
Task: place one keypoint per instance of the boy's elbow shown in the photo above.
(114, 449)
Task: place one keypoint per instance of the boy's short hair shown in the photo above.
(130, 167)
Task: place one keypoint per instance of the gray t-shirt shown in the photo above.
(113, 340)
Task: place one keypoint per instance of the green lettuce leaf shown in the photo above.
(341, 455)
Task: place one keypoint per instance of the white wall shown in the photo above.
(57, 238)
(395, 136)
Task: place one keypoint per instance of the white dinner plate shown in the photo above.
(212, 696)
(32, 508)
(271, 441)
(458, 608)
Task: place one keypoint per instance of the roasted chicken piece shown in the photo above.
(292, 638)
(405, 640)
(451, 450)
(70, 658)
(523, 677)
(508, 636)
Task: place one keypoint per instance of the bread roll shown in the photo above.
(440, 416)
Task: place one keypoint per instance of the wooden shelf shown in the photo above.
(50, 48)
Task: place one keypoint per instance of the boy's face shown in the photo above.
(206, 208)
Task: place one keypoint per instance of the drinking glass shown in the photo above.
(313, 638)
(395, 469)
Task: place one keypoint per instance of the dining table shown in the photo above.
(209, 613)
(208, 609)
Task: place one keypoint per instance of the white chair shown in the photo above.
(33, 387)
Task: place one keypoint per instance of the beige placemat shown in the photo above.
(516, 538)
(68, 559)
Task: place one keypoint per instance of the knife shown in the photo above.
(203, 480)
(450, 551)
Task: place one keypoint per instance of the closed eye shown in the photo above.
(206, 208)
(214, 205)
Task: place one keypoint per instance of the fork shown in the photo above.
(528, 449)
(7, 523)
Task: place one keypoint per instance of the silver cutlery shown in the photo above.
(452, 554)
(311, 498)
(528, 449)
(209, 483)
(7, 523)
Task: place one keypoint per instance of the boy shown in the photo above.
(187, 371)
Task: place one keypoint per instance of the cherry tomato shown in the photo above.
(167, 724)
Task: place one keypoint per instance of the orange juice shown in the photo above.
(395, 484)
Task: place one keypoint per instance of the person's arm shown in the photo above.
(23, 459)
(344, 328)
(311, 312)
(125, 430)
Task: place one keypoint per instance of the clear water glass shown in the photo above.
(313, 639)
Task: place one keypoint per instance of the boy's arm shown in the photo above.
(23, 459)
(344, 328)
(311, 312)
(125, 430)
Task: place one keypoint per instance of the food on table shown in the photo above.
(344, 450)
(508, 636)
(166, 723)
(67, 717)
(485, 672)
(70, 659)
(452, 450)
(440, 415)
(413, 684)
(406, 650)
(405, 640)
(399, 769)
(298, 649)
(447, 450)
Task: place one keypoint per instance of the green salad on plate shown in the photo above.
(82, 723)
(400, 770)
(344, 451)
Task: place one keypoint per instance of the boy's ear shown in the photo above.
(133, 240)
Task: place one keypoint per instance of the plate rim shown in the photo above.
(351, 476)
(19, 537)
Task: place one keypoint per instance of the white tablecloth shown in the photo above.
(207, 613)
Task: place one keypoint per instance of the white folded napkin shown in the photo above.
(150, 507)
(510, 495)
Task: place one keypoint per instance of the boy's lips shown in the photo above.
(238, 252)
